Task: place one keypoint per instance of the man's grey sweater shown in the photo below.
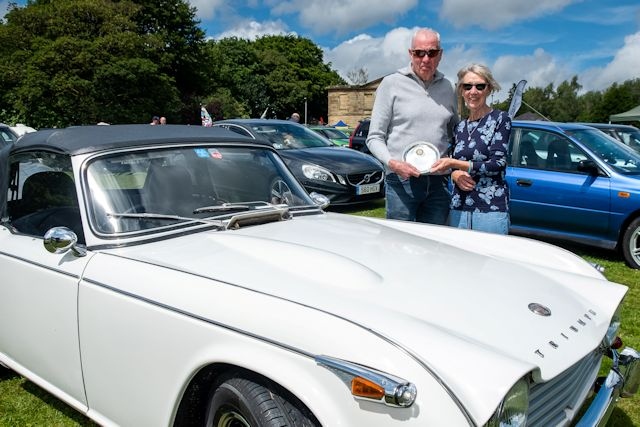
(407, 110)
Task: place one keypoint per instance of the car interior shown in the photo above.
(48, 200)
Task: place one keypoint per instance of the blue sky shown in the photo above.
(542, 41)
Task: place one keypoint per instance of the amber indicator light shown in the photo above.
(364, 388)
(624, 194)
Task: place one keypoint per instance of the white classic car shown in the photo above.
(176, 275)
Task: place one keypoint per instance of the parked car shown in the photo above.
(332, 134)
(344, 176)
(358, 138)
(20, 129)
(627, 134)
(572, 182)
(7, 135)
(180, 275)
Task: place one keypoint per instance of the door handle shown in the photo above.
(524, 182)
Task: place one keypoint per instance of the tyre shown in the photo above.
(248, 401)
(631, 244)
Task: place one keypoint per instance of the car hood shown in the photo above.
(336, 159)
(457, 301)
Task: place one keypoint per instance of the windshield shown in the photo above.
(335, 133)
(621, 158)
(286, 136)
(631, 137)
(145, 189)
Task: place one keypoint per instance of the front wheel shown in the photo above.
(631, 244)
(247, 401)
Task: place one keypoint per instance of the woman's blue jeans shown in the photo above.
(491, 222)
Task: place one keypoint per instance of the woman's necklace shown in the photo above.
(479, 122)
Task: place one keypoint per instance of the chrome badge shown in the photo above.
(539, 309)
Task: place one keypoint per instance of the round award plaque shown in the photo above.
(422, 155)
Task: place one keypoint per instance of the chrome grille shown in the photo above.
(371, 177)
(549, 402)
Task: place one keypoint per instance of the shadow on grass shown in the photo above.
(58, 405)
(46, 398)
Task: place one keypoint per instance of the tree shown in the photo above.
(358, 76)
(275, 73)
(71, 62)
(565, 106)
(181, 52)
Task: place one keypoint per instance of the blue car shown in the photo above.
(574, 183)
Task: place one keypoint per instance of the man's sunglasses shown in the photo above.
(479, 86)
(420, 53)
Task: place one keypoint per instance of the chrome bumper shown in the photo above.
(622, 381)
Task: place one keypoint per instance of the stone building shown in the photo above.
(351, 103)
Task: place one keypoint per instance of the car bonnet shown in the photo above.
(464, 310)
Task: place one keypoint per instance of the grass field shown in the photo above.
(22, 403)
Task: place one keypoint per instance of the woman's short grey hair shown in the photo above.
(481, 70)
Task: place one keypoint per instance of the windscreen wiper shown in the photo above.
(218, 223)
(243, 206)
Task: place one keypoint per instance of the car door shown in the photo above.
(39, 289)
(549, 195)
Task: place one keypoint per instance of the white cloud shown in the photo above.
(497, 13)
(341, 17)
(383, 55)
(539, 70)
(378, 55)
(624, 66)
(252, 30)
(207, 9)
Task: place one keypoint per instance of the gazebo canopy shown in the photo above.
(632, 115)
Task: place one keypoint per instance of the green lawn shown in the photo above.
(22, 403)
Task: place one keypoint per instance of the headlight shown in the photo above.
(318, 173)
(513, 409)
(612, 331)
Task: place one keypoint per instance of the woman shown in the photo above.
(480, 199)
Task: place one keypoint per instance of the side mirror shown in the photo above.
(588, 166)
(320, 199)
(58, 240)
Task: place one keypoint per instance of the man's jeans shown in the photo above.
(422, 199)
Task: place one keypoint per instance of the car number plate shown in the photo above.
(367, 189)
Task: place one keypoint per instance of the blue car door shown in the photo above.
(549, 195)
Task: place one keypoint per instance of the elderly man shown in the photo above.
(416, 103)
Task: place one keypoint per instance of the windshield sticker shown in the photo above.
(201, 152)
(215, 153)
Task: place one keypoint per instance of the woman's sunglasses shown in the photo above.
(420, 53)
(479, 86)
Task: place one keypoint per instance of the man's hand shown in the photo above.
(403, 169)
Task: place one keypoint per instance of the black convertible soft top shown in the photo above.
(89, 139)
(92, 139)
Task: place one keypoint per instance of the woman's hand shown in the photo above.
(463, 180)
(441, 165)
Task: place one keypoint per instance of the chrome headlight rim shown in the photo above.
(514, 407)
(613, 329)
